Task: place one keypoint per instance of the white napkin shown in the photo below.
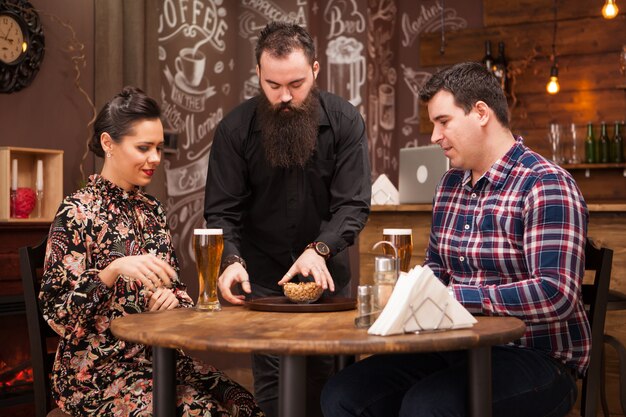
(384, 192)
(419, 302)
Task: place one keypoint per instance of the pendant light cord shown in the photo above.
(554, 34)
(442, 49)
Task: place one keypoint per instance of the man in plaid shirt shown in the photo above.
(508, 238)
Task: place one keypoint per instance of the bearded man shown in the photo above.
(289, 183)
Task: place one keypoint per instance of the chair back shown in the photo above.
(595, 295)
(32, 259)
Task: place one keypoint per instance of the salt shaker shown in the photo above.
(366, 306)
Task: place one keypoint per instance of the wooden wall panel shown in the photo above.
(603, 185)
(576, 73)
(587, 48)
(537, 111)
(511, 12)
(574, 37)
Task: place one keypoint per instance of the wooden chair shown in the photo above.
(31, 259)
(616, 301)
(595, 297)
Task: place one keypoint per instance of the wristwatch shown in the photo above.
(320, 248)
(231, 259)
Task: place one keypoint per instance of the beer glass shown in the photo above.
(402, 239)
(208, 245)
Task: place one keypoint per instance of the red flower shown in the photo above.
(25, 201)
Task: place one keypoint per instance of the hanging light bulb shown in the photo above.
(610, 9)
(553, 86)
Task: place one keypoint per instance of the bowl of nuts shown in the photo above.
(302, 292)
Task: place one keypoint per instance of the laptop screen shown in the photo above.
(420, 170)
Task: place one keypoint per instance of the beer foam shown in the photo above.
(396, 231)
(211, 232)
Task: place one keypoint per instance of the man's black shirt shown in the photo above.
(270, 214)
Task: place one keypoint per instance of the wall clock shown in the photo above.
(21, 45)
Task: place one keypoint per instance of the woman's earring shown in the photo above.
(108, 154)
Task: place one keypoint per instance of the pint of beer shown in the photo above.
(402, 239)
(208, 245)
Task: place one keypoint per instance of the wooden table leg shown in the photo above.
(163, 382)
(292, 386)
(479, 379)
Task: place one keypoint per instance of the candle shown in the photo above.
(14, 175)
(39, 182)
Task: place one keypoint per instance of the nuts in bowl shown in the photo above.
(302, 292)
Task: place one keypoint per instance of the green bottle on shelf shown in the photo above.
(617, 145)
(603, 145)
(590, 145)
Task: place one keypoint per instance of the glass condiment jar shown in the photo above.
(385, 277)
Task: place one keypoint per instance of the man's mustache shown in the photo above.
(279, 108)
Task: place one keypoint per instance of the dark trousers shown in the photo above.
(265, 370)
(525, 383)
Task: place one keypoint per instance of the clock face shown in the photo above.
(21, 44)
(12, 44)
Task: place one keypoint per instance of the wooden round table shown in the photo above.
(293, 336)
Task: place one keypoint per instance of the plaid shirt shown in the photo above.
(514, 245)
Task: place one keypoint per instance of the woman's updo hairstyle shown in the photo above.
(118, 116)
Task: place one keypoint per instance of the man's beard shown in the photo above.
(289, 136)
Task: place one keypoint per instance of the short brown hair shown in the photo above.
(279, 39)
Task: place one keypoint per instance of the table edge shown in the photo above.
(465, 338)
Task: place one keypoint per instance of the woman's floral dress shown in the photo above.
(94, 373)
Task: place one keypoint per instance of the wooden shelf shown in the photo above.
(589, 167)
(613, 165)
(52, 177)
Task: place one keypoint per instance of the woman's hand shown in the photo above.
(151, 271)
(162, 299)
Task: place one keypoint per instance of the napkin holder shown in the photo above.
(420, 302)
(384, 192)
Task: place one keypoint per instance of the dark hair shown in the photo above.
(469, 82)
(279, 39)
(118, 116)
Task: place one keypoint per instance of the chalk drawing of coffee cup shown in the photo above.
(190, 64)
(387, 110)
(346, 68)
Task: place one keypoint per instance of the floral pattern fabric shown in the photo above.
(96, 374)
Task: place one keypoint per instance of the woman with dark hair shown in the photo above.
(110, 254)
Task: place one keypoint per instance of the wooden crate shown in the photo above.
(27, 166)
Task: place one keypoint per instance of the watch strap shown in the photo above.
(313, 245)
(231, 259)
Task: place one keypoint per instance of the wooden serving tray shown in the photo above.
(282, 304)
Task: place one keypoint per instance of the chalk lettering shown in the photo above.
(171, 113)
(189, 124)
(353, 22)
(272, 11)
(210, 123)
(191, 16)
(411, 29)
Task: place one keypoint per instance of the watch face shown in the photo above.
(12, 44)
(322, 248)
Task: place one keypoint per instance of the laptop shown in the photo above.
(420, 170)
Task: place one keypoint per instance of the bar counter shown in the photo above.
(607, 226)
